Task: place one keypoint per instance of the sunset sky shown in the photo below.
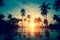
(31, 6)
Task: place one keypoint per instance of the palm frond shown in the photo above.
(44, 8)
(22, 12)
(2, 3)
(48, 4)
(56, 5)
(48, 8)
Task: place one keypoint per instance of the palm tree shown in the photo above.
(57, 18)
(9, 16)
(12, 24)
(28, 17)
(2, 24)
(37, 20)
(56, 5)
(1, 3)
(23, 11)
(1, 16)
(22, 14)
(44, 10)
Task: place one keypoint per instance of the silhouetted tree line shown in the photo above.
(9, 28)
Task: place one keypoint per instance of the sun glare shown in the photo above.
(32, 28)
(32, 24)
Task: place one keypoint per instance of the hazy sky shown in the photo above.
(31, 6)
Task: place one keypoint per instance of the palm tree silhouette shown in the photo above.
(2, 23)
(1, 16)
(57, 18)
(1, 3)
(9, 16)
(56, 26)
(56, 5)
(28, 17)
(12, 24)
(44, 10)
(22, 14)
(37, 20)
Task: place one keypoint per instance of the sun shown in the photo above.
(32, 24)
(32, 28)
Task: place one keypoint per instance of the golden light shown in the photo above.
(32, 24)
(32, 28)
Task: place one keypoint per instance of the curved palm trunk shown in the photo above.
(46, 29)
(22, 32)
(22, 14)
(22, 24)
(44, 12)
